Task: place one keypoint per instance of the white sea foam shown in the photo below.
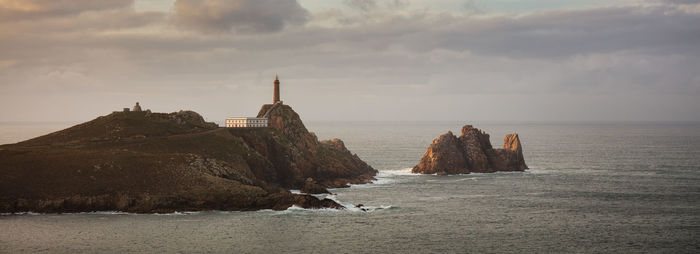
(364, 208)
(20, 213)
(380, 180)
(88, 213)
(386, 177)
(383, 180)
(295, 191)
(401, 172)
(178, 213)
(348, 207)
(107, 213)
(295, 208)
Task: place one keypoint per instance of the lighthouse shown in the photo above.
(276, 96)
(262, 120)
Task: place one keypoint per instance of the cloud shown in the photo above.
(429, 65)
(252, 16)
(18, 10)
(682, 1)
(374, 5)
(470, 6)
(398, 4)
(549, 34)
(363, 5)
(87, 22)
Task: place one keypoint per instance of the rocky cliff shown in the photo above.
(471, 152)
(155, 162)
(328, 162)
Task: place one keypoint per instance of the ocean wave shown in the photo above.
(106, 213)
(400, 172)
(384, 177)
(20, 213)
(363, 208)
(177, 213)
(380, 180)
(383, 180)
(407, 172)
(348, 207)
(82, 213)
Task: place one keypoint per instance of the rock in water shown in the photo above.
(311, 187)
(471, 152)
(444, 156)
(475, 144)
(512, 154)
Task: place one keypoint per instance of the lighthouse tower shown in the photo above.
(276, 96)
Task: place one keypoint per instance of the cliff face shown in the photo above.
(471, 152)
(153, 162)
(328, 162)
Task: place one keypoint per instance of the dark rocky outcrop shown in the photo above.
(155, 162)
(311, 187)
(471, 152)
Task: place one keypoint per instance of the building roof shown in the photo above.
(247, 118)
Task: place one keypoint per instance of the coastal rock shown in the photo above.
(328, 162)
(444, 156)
(475, 144)
(511, 155)
(338, 167)
(311, 187)
(471, 152)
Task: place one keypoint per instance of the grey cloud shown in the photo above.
(34, 9)
(541, 35)
(470, 6)
(521, 66)
(556, 34)
(363, 5)
(96, 21)
(239, 15)
(372, 5)
(398, 4)
(681, 1)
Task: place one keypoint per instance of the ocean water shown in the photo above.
(592, 188)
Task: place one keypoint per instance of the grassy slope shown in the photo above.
(144, 162)
(138, 158)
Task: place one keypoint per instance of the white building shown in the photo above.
(253, 122)
(243, 122)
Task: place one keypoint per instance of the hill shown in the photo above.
(156, 162)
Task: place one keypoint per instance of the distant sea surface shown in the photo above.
(605, 187)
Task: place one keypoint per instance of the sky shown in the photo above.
(353, 60)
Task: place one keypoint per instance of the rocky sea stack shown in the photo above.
(155, 162)
(471, 153)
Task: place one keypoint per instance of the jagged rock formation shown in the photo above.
(328, 162)
(311, 187)
(156, 162)
(471, 152)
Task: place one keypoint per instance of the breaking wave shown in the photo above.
(348, 207)
(398, 172)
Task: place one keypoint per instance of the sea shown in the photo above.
(630, 187)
